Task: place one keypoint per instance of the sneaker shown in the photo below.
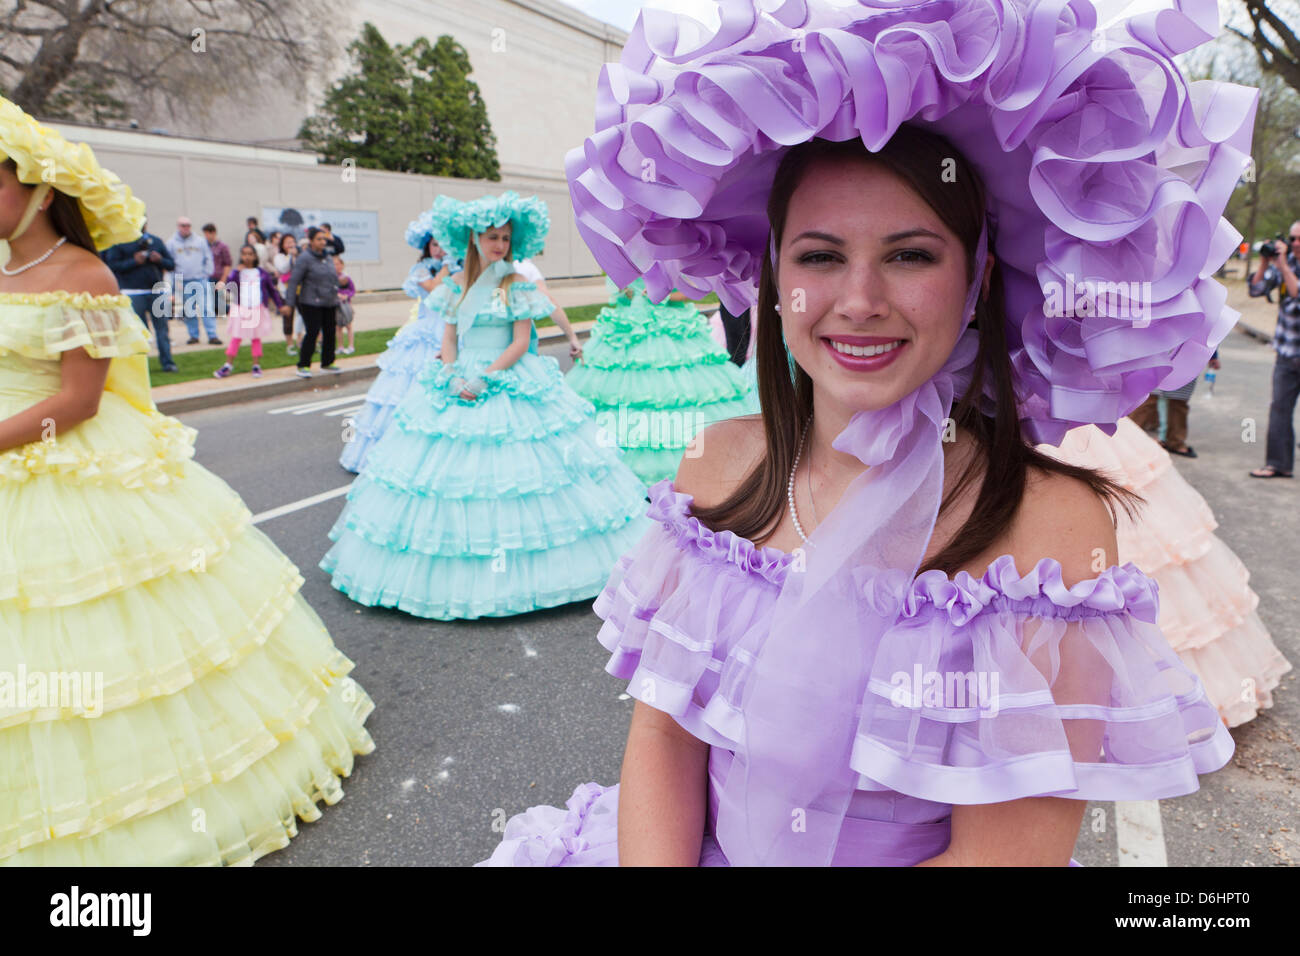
(304, 373)
(215, 342)
(191, 341)
(347, 351)
(224, 371)
(330, 368)
(170, 368)
(257, 371)
(289, 349)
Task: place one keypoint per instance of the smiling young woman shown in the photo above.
(896, 189)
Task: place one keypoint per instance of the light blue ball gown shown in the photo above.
(498, 506)
(407, 353)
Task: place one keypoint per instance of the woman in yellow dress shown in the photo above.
(166, 694)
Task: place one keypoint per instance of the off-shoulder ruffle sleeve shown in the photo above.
(986, 690)
(1015, 686)
(442, 300)
(684, 611)
(44, 325)
(524, 301)
(420, 272)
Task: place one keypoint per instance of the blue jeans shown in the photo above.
(143, 305)
(192, 299)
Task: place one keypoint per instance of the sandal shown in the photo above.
(1186, 451)
(1268, 471)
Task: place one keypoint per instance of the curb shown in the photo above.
(251, 393)
(1254, 333)
(319, 381)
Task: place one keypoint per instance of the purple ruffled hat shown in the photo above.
(1107, 171)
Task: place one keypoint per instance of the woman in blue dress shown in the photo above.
(414, 346)
(494, 492)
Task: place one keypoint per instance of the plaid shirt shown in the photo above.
(1286, 340)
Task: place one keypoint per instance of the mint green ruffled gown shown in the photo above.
(486, 508)
(656, 378)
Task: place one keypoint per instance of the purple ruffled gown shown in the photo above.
(1089, 700)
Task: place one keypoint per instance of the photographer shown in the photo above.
(139, 266)
(1278, 267)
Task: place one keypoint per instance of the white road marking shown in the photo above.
(508, 708)
(299, 505)
(313, 406)
(1139, 833)
(346, 411)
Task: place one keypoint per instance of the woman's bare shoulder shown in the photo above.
(720, 458)
(1061, 517)
(86, 272)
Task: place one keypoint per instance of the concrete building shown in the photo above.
(536, 63)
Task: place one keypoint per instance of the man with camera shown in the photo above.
(1278, 267)
(139, 266)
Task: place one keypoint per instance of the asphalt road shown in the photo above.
(477, 719)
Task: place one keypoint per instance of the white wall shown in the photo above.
(536, 63)
(178, 177)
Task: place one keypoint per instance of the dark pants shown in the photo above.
(737, 329)
(319, 319)
(143, 305)
(1280, 450)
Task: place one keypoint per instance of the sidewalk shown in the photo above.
(390, 310)
(372, 311)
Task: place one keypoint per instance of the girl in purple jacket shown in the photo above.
(250, 289)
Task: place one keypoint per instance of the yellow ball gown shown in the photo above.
(166, 695)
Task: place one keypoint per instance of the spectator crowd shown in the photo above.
(197, 278)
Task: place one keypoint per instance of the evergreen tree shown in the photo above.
(461, 142)
(408, 109)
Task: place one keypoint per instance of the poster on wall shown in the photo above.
(359, 229)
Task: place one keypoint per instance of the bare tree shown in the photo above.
(96, 59)
(1272, 33)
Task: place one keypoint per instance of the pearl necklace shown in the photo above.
(789, 494)
(35, 262)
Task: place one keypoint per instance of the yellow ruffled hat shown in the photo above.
(112, 213)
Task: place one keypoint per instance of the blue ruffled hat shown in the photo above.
(454, 222)
(420, 230)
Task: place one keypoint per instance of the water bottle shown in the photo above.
(1210, 375)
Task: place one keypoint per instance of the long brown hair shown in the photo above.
(65, 215)
(1003, 453)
